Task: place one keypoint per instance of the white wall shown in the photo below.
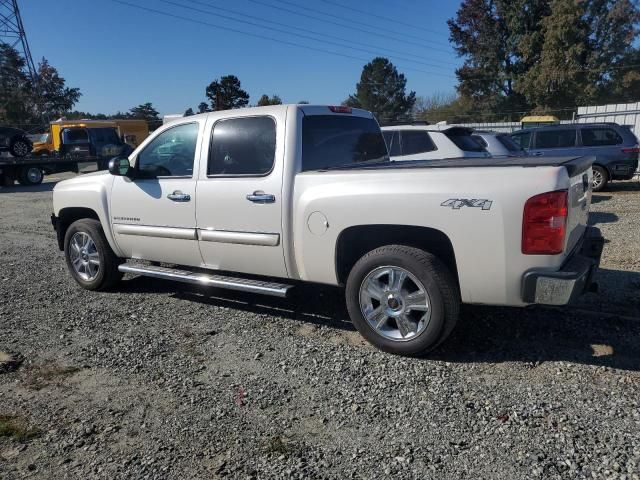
(621, 113)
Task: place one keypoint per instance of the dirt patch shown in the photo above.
(16, 428)
(38, 377)
(9, 362)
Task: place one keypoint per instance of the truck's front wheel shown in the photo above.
(89, 257)
(402, 299)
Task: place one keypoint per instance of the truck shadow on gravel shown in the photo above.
(314, 304)
(602, 329)
(602, 217)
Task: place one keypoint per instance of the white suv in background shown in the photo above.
(498, 144)
(431, 142)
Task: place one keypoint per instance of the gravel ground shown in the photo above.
(160, 380)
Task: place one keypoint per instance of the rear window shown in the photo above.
(392, 139)
(600, 137)
(480, 140)
(415, 141)
(75, 135)
(508, 143)
(333, 140)
(556, 138)
(105, 135)
(463, 140)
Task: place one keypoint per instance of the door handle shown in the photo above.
(260, 197)
(178, 196)
(538, 154)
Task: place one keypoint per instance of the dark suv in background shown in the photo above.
(615, 147)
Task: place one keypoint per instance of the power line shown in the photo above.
(348, 40)
(265, 37)
(381, 17)
(342, 45)
(404, 34)
(377, 33)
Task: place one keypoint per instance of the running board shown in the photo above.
(219, 281)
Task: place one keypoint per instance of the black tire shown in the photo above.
(6, 180)
(602, 172)
(30, 176)
(437, 281)
(20, 147)
(108, 274)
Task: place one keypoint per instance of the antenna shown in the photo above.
(12, 32)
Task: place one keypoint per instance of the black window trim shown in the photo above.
(156, 136)
(576, 137)
(242, 175)
(400, 135)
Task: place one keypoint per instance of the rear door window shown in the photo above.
(416, 141)
(561, 138)
(242, 146)
(392, 139)
(522, 139)
(335, 140)
(600, 137)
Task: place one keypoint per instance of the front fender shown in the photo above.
(87, 192)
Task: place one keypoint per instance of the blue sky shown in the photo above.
(121, 56)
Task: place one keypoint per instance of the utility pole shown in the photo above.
(12, 32)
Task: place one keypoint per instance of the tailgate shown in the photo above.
(579, 203)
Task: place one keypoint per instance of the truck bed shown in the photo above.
(572, 164)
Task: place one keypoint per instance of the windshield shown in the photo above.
(39, 137)
(334, 141)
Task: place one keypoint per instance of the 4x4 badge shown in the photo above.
(458, 203)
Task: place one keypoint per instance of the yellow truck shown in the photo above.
(65, 136)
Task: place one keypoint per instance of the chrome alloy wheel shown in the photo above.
(395, 303)
(21, 149)
(84, 256)
(596, 179)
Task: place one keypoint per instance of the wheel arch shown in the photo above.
(602, 165)
(67, 216)
(354, 242)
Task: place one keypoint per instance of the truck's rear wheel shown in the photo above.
(90, 259)
(402, 299)
(30, 176)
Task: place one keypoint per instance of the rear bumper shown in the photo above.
(572, 280)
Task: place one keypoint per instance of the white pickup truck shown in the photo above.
(259, 199)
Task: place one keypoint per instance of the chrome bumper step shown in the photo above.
(218, 281)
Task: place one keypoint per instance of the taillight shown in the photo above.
(340, 109)
(544, 224)
(631, 150)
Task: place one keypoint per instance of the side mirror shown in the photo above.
(120, 166)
